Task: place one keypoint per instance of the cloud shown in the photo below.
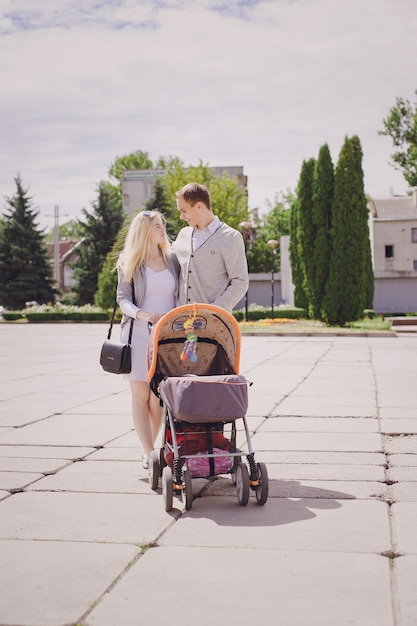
(252, 83)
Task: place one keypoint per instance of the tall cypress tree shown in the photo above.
(323, 183)
(99, 233)
(300, 298)
(25, 269)
(346, 289)
(306, 229)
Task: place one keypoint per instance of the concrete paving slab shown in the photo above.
(56, 582)
(307, 471)
(399, 426)
(403, 492)
(98, 477)
(71, 430)
(13, 481)
(114, 404)
(49, 403)
(400, 444)
(304, 407)
(254, 586)
(98, 517)
(304, 524)
(4, 494)
(403, 460)
(321, 424)
(363, 442)
(17, 420)
(42, 466)
(402, 474)
(44, 452)
(320, 489)
(397, 412)
(404, 516)
(405, 576)
(322, 458)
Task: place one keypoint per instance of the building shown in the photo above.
(62, 261)
(393, 235)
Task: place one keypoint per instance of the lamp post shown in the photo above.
(245, 229)
(272, 243)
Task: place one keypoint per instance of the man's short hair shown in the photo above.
(193, 193)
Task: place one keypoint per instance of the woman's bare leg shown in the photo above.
(141, 414)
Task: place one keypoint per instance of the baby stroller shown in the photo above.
(193, 366)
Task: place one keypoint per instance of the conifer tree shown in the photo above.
(300, 298)
(346, 289)
(99, 233)
(25, 269)
(323, 181)
(306, 229)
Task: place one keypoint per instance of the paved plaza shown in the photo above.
(84, 540)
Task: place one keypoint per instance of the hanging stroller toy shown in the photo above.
(203, 397)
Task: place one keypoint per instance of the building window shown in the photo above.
(389, 252)
(415, 264)
(414, 235)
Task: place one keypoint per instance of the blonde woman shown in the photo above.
(148, 264)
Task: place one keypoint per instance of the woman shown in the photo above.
(148, 263)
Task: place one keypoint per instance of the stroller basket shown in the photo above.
(206, 399)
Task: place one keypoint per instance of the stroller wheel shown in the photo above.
(242, 484)
(153, 471)
(261, 491)
(167, 487)
(188, 488)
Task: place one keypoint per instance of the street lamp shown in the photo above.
(273, 244)
(245, 228)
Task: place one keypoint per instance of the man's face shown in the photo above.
(188, 212)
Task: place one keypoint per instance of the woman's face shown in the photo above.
(158, 234)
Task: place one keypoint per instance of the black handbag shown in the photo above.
(116, 357)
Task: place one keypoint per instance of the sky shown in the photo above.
(257, 83)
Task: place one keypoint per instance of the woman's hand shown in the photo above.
(152, 318)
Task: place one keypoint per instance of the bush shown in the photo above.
(256, 312)
(58, 312)
(12, 316)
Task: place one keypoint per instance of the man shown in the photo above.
(211, 254)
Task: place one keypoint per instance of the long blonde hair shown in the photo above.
(138, 243)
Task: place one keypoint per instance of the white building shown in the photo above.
(393, 235)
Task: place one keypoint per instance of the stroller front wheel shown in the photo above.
(167, 487)
(242, 484)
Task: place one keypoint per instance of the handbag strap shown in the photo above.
(114, 315)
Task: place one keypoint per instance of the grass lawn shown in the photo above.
(285, 326)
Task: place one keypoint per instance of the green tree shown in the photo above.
(323, 183)
(69, 230)
(25, 268)
(99, 233)
(275, 224)
(300, 297)
(346, 290)
(401, 125)
(306, 229)
(107, 278)
(228, 197)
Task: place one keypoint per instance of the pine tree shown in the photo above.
(306, 229)
(323, 182)
(347, 286)
(25, 269)
(99, 233)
